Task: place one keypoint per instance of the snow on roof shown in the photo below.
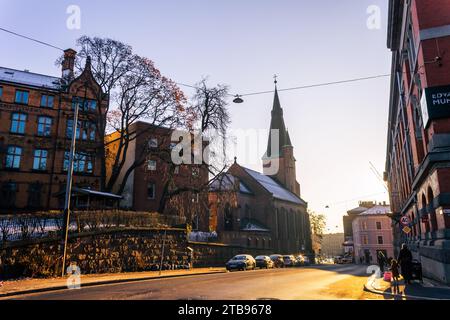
(377, 210)
(29, 78)
(277, 190)
(226, 182)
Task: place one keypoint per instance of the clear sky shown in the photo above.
(335, 130)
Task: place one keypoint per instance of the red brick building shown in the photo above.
(418, 152)
(36, 125)
(149, 156)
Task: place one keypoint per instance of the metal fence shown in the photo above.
(50, 225)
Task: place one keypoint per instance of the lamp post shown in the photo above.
(70, 179)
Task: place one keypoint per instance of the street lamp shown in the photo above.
(70, 178)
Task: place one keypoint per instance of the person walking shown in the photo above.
(395, 275)
(381, 260)
(405, 262)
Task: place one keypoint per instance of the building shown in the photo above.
(332, 244)
(418, 151)
(348, 244)
(36, 125)
(149, 172)
(263, 211)
(372, 233)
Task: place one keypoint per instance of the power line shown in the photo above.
(31, 39)
(240, 95)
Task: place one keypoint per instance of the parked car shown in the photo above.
(278, 261)
(346, 260)
(338, 259)
(241, 262)
(302, 261)
(289, 260)
(264, 262)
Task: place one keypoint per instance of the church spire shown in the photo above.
(277, 123)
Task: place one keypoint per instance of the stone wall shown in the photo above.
(124, 250)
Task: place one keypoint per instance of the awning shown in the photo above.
(88, 192)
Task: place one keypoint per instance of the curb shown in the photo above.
(369, 288)
(105, 282)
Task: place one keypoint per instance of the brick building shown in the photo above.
(263, 211)
(149, 157)
(418, 152)
(36, 125)
(372, 233)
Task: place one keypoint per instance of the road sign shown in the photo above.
(406, 229)
(405, 221)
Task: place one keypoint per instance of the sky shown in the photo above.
(336, 130)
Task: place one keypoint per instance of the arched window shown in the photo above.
(433, 220)
(228, 218)
(424, 207)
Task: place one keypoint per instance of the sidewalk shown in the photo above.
(428, 290)
(26, 286)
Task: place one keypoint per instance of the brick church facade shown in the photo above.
(263, 210)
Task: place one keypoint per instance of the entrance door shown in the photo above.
(367, 256)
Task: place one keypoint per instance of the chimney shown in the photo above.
(68, 63)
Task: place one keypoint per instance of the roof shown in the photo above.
(29, 78)
(276, 189)
(377, 210)
(357, 210)
(253, 225)
(226, 183)
(90, 192)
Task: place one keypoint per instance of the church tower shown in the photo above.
(279, 163)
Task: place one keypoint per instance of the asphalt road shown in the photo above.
(286, 284)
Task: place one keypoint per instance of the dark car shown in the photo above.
(241, 262)
(278, 261)
(302, 260)
(289, 260)
(264, 262)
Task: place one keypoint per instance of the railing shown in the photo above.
(50, 225)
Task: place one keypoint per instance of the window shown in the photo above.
(365, 240)
(47, 101)
(151, 191)
(18, 122)
(176, 170)
(364, 225)
(8, 194)
(40, 160)
(380, 239)
(13, 156)
(44, 126)
(84, 105)
(195, 171)
(378, 225)
(34, 195)
(1, 93)
(69, 129)
(83, 162)
(151, 165)
(92, 131)
(22, 97)
(153, 143)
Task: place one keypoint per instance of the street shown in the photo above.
(308, 283)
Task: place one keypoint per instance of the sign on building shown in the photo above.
(435, 103)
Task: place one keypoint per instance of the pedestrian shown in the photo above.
(395, 275)
(405, 262)
(381, 258)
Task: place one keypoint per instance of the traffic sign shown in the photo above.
(405, 221)
(406, 229)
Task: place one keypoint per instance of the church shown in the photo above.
(265, 210)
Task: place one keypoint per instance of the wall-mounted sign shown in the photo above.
(405, 221)
(435, 103)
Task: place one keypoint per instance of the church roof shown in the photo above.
(277, 123)
(226, 182)
(276, 189)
